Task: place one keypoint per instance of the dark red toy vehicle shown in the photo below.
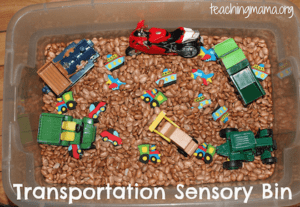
(182, 41)
(112, 136)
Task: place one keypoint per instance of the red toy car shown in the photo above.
(182, 41)
(112, 136)
(95, 110)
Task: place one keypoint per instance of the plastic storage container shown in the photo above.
(33, 27)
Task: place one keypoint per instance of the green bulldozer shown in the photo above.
(244, 146)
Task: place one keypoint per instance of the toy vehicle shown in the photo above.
(168, 77)
(203, 101)
(259, 71)
(112, 136)
(239, 71)
(65, 103)
(243, 146)
(75, 151)
(182, 41)
(207, 55)
(114, 62)
(205, 152)
(147, 155)
(286, 69)
(205, 77)
(57, 72)
(171, 132)
(63, 130)
(114, 83)
(221, 113)
(154, 98)
(95, 109)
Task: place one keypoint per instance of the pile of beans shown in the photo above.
(131, 117)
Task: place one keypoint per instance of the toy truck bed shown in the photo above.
(180, 138)
(242, 141)
(55, 76)
(50, 128)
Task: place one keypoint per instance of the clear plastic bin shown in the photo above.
(33, 27)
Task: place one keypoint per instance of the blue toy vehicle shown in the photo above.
(221, 113)
(56, 73)
(202, 101)
(114, 83)
(168, 77)
(114, 62)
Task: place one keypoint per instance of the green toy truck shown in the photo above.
(239, 71)
(243, 146)
(63, 130)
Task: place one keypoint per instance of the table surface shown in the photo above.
(7, 10)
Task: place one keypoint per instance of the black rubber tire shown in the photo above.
(130, 51)
(195, 140)
(71, 105)
(200, 155)
(182, 152)
(269, 161)
(208, 158)
(232, 165)
(104, 108)
(147, 100)
(142, 160)
(64, 109)
(270, 132)
(189, 51)
(274, 145)
(154, 102)
(154, 160)
(96, 120)
(103, 138)
(223, 132)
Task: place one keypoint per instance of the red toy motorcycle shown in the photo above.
(182, 41)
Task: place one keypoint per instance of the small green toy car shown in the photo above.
(243, 146)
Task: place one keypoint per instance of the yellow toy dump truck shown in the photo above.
(171, 132)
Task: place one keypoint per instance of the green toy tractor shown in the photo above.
(244, 146)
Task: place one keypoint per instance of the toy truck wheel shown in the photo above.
(200, 155)
(71, 105)
(223, 132)
(147, 100)
(154, 160)
(208, 158)
(232, 165)
(274, 145)
(144, 159)
(130, 51)
(64, 109)
(105, 139)
(195, 140)
(115, 143)
(96, 120)
(269, 161)
(189, 51)
(269, 132)
(154, 104)
(103, 109)
(182, 152)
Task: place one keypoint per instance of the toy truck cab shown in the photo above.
(239, 71)
(171, 132)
